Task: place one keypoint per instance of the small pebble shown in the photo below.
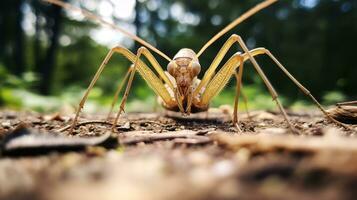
(125, 127)
(6, 124)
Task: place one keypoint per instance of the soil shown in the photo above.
(168, 156)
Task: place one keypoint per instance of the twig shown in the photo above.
(175, 138)
(347, 103)
(292, 113)
(94, 122)
(85, 123)
(193, 137)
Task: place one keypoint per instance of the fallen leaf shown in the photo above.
(344, 114)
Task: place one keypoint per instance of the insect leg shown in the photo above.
(245, 99)
(216, 61)
(128, 86)
(145, 52)
(153, 81)
(258, 51)
(220, 79)
(117, 92)
(85, 96)
(266, 81)
(149, 76)
(238, 92)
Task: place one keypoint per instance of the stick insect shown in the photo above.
(178, 88)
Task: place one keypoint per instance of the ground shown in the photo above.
(173, 157)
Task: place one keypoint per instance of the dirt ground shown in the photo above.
(174, 157)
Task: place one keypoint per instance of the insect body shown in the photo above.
(183, 71)
(179, 88)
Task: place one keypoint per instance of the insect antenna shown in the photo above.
(237, 21)
(94, 17)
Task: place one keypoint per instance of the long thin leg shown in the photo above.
(266, 81)
(258, 51)
(245, 99)
(94, 80)
(151, 79)
(215, 63)
(117, 92)
(212, 88)
(189, 100)
(128, 86)
(238, 92)
(220, 79)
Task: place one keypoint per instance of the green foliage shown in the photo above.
(10, 84)
(333, 97)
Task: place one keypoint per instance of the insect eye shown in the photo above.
(171, 68)
(196, 68)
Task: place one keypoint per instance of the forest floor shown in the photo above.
(155, 156)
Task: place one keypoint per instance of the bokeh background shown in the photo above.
(48, 55)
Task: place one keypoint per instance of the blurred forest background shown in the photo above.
(48, 56)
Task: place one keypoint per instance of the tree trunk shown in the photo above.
(47, 67)
(2, 33)
(19, 47)
(137, 24)
(12, 36)
(36, 44)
